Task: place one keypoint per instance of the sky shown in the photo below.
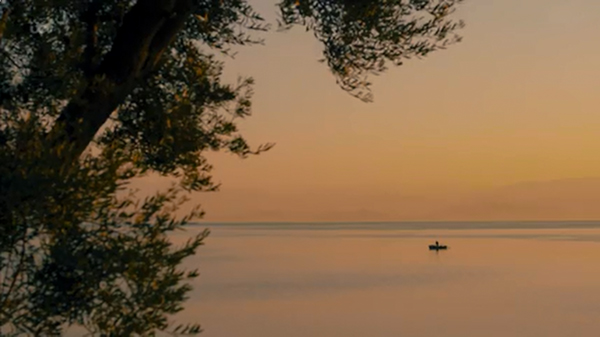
(503, 126)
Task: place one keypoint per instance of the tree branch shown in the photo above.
(90, 17)
(3, 21)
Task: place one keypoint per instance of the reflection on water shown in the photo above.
(357, 281)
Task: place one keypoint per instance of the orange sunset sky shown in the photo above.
(503, 126)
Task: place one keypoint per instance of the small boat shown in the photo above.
(437, 246)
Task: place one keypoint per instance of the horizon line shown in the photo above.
(394, 221)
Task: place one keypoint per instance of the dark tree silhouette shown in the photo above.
(96, 92)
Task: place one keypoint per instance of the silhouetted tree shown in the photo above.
(96, 92)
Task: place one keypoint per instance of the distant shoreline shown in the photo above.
(407, 225)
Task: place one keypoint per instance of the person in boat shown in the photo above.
(437, 244)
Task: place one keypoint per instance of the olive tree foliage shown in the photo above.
(94, 93)
(362, 37)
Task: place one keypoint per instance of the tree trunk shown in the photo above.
(147, 30)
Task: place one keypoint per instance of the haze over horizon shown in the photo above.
(503, 126)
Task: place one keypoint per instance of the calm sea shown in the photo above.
(380, 279)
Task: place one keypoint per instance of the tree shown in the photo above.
(96, 92)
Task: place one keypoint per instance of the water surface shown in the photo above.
(497, 279)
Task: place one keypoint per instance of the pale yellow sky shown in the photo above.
(458, 135)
